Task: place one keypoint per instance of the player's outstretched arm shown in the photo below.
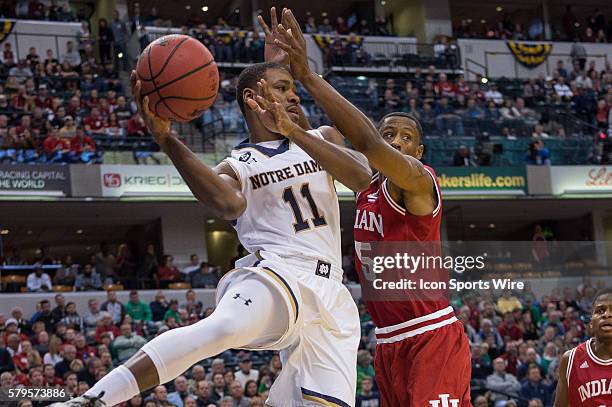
(218, 189)
(347, 166)
(406, 172)
(561, 398)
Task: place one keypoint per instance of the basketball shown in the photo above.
(180, 77)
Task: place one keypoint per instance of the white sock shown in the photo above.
(233, 324)
(118, 386)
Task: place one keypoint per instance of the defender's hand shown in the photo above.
(271, 113)
(294, 44)
(272, 52)
(158, 127)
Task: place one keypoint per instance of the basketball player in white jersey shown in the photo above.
(287, 294)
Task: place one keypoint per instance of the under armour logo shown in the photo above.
(247, 302)
(444, 401)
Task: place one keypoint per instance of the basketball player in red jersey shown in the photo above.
(585, 372)
(422, 355)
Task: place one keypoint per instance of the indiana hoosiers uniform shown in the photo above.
(422, 355)
(291, 227)
(589, 378)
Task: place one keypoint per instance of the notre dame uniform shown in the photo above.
(291, 227)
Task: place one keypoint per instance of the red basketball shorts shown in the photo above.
(424, 362)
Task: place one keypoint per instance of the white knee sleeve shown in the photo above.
(249, 313)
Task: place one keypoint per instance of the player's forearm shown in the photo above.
(352, 123)
(205, 184)
(349, 167)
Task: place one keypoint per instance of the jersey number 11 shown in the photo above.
(301, 224)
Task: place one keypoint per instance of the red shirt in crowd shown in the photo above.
(78, 144)
(167, 273)
(513, 331)
(43, 102)
(85, 352)
(94, 124)
(445, 88)
(136, 126)
(51, 144)
(101, 329)
(18, 102)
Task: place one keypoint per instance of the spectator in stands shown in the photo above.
(136, 127)
(494, 94)
(167, 272)
(366, 396)
(246, 372)
(531, 359)
(53, 355)
(236, 391)
(138, 310)
(38, 280)
(159, 307)
(180, 391)
(462, 157)
(204, 278)
(120, 39)
(66, 275)
(105, 41)
(562, 90)
(311, 26)
(194, 265)
(447, 121)
(354, 50)
(105, 264)
(202, 393)
(325, 27)
(88, 280)
(71, 56)
(21, 71)
(91, 317)
(68, 356)
(105, 325)
(128, 343)
(114, 307)
(537, 154)
(57, 149)
(534, 388)
(172, 312)
(219, 389)
(72, 319)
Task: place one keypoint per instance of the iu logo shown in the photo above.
(444, 401)
(112, 180)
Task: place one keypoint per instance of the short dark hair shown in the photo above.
(406, 115)
(248, 79)
(602, 292)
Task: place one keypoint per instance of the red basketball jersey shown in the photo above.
(393, 223)
(589, 378)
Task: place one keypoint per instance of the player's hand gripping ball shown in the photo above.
(180, 77)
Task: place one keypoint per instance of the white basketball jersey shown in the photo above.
(292, 206)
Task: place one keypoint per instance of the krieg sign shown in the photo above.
(141, 180)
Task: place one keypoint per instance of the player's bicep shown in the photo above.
(561, 396)
(404, 171)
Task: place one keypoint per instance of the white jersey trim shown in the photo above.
(570, 363)
(402, 210)
(438, 194)
(415, 321)
(418, 331)
(393, 204)
(598, 360)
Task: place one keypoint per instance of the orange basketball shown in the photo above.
(180, 77)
